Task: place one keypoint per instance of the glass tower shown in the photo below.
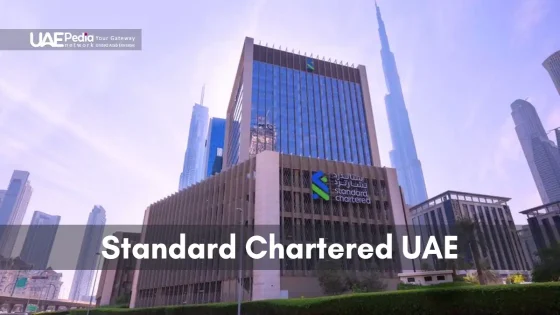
(299, 105)
(194, 165)
(87, 259)
(12, 210)
(403, 156)
(214, 145)
(40, 239)
(552, 65)
(541, 153)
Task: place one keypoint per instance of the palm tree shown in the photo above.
(465, 230)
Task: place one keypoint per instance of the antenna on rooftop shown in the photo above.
(202, 95)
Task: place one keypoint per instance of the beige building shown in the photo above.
(275, 192)
(497, 239)
(116, 277)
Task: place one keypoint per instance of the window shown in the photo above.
(440, 278)
(410, 280)
(428, 279)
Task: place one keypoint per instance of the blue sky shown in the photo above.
(110, 128)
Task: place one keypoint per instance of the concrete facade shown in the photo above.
(117, 275)
(498, 241)
(544, 224)
(274, 191)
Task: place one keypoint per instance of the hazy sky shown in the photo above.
(111, 127)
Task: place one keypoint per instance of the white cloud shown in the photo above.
(54, 117)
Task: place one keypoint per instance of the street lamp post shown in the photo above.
(94, 282)
(240, 272)
(46, 295)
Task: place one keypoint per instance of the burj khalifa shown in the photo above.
(403, 156)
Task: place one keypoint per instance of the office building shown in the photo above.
(40, 239)
(552, 65)
(498, 241)
(115, 282)
(300, 199)
(541, 153)
(529, 247)
(194, 165)
(12, 210)
(2, 193)
(214, 145)
(544, 223)
(88, 258)
(403, 156)
(300, 105)
(218, 162)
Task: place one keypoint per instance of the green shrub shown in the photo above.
(409, 286)
(530, 299)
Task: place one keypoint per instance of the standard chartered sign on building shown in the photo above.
(340, 187)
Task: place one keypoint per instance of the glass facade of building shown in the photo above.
(302, 113)
(214, 143)
(235, 130)
(194, 165)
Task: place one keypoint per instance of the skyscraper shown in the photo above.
(299, 105)
(12, 210)
(194, 166)
(403, 156)
(214, 144)
(552, 65)
(87, 260)
(40, 239)
(541, 153)
(2, 193)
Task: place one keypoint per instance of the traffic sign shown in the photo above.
(31, 308)
(21, 282)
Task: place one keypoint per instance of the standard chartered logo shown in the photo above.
(319, 186)
(345, 188)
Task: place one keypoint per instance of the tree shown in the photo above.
(465, 229)
(548, 269)
(425, 266)
(123, 299)
(331, 278)
(334, 280)
(369, 282)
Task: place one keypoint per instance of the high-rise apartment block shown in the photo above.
(40, 239)
(194, 165)
(89, 255)
(541, 153)
(299, 105)
(12, 210)
(214, 145)
(544, 223)
(552, 65)
(403, 156)
(497, 239)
